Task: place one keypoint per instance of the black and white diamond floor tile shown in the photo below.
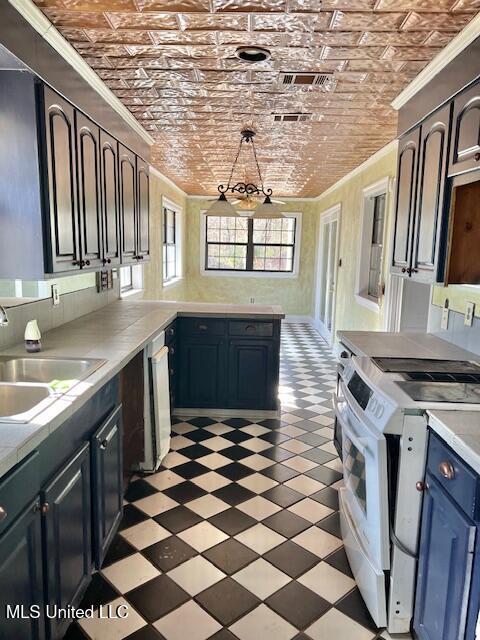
(237, 536)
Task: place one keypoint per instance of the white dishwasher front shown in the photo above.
(161, 403)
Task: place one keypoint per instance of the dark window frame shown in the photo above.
(167, 277)
(250, 245)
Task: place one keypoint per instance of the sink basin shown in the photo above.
(21, 402)
(59, 373)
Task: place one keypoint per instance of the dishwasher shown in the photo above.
(157, 421)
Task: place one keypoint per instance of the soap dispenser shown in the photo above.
(33, 337)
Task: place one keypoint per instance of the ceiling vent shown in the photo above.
(306, 79)
(291, 117)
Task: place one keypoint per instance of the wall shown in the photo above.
(293, 294)
(153, 270)
(349, 314)
(457, 333)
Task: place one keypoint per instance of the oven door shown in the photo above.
(365, 478)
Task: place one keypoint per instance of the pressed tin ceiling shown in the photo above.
(173, 64)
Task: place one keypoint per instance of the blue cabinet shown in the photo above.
(68, 542)
(250, 380)
(21, 577)
(107, 455)
(445, 606)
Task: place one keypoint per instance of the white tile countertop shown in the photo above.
(381, 344)
(115, 333)
(461, 431)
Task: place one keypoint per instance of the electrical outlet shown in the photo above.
(444, 323)
(252, 300)
(55, 295)
(470, 310)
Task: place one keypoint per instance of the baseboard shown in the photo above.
(300, 319)
(225, 413)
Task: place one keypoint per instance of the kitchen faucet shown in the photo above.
(3, 317)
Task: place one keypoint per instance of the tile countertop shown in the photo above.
(115, 333)
(405, 345)
(461, 431)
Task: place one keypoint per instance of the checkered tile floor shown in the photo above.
(237, 536)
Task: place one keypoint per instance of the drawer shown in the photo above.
(251, 329)
(456, 477)
(170, 333)
(19, 487)
(203, 326)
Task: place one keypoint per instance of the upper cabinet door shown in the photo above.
(128, 215)
(405, 201)
(62, 188)
(89, 197)
(110, 199)
(465, 153)
(430, 195)
(143, 183)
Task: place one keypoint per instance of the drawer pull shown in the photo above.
(250, 328)
(420, 486)
(43, 508)
(447, 470)
(104, 444)
(3, 514)
(202, 327)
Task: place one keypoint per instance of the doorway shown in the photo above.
(327, 267)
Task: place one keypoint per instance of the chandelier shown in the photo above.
(268, 209)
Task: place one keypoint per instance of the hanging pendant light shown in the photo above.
(266, 210)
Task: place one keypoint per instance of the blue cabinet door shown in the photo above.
(251, 374)
(107, 452)
(68, 540)
(202, 367)
(445, 567)
(21, 578)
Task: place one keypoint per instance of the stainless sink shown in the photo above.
(21, 402)
(59, 373)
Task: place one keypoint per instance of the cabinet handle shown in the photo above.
(140, 257)
(3, 514)
(251, 328)
(106, 261)
(109, 260)
(171, 350)
(202, 327)
(477, 157)
(87, 262)
(43, 508)
(447, 470)
(420, 486)
(403, 270)
(77, 263)
(104, 444)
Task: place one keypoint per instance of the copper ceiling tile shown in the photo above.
(210, 22)
(349, 53)
(121, 37)
(291, 22)
(466, 5)
(438, 38)
(349, 5)
(100, 5)
(175, 6)
(409, 53)
(183, 37)
(74, 35)
(403, 38)
(367, 21)
(79, 19)
(436, 21)
(148, 21)
(414, 5)
(249, 5)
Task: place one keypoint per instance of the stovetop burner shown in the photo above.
(431, 370)
(441, 391)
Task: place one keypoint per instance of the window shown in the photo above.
(247, 244)
(369, 288)
(126, 279)
(376, 246)
(131, 280)
(172, 262)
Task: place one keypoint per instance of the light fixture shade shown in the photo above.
(268, 210)
(222, 208)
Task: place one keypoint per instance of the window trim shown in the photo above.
(137, 280)
(363, 258)
(225, 273)
(178, 210)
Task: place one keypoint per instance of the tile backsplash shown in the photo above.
(72, 305)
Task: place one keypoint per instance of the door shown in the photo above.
(251, 377)
(143, 237)
(128, 207)
(107, 483)
(89, 196)
(405, 201)
(21, 576)
(110, 199)
(62, 188)
(465, 152)
(68, 541)
(444, 567)
(327, 267)
(430, 195)
(203, 368)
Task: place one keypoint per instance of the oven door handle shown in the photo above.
(360, 443)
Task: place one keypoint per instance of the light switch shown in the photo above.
(444, 323)
(55, 295)
(470, 310)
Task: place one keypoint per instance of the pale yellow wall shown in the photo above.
(153, 270)
(294, 294)
(458, 296)
(349, 314)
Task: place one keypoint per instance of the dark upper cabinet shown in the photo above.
(430, 200)
(60, 166)
(128, 203)
(107, 456)
(21, 575)
(110, 199)
(68, 541)
(465, 148)
(89, 195)
(202, 361)
(251, 374)
(143, 186)
(407, 169)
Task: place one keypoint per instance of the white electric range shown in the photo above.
(380, 406)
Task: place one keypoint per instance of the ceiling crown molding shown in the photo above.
(168, 181)
(446, 55)
(32, 14)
